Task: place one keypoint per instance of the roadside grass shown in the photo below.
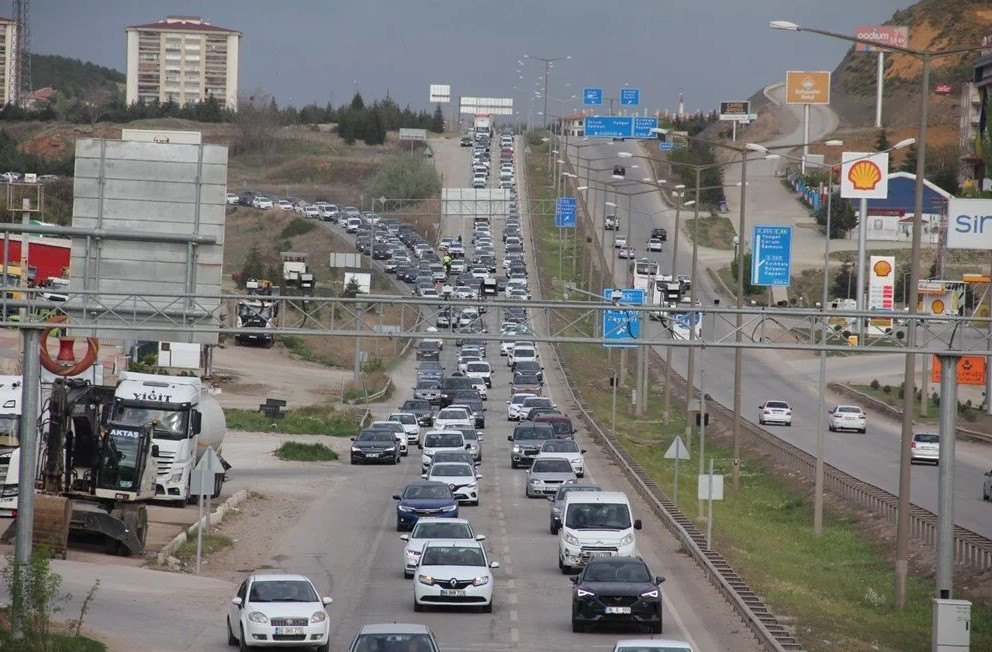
(837, 588)
(300, 452)
(727, 276)
(714, 232)
(58, 643)
(212, 542)
(970, 417)
(324, 419)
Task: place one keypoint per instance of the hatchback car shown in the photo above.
(438, 440)
(394, 636)
(410, 425)
(654, 244)
(616, 590)
(278, 610)
(424, 499)
(433, 528)
(454, 417)
(775, 412)
(847, 417)
(455, 573)
(547, 474)
(460, 478)
(925, 447)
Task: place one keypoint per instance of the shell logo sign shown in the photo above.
(882, 268)
(864, 175)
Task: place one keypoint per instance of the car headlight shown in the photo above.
(482, 580)
(356, 449)
(627, 540)
(472, 485)
(449, 508)
(516, 449)
(391, 449)
(535, 481)
(318, 617)
(426, 579)
(570, 538)
(413, 553)
(175, 477)
(257, 617)
(582, 593)
(650, 594)
(404, 508)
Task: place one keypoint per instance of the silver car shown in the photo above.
(925, 447)
(547, 474)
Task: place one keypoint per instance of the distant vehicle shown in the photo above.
(231, 198)
(285, 205)
(611, 223)
(659, 233)
(775, 412)
(619, 171)
(261, 202)
(433, 528)
(847, 417)
(11, 177)
(654, 244)
(547, 474)
(311, 211)
(626, 253)
(466, 141)
(925, 447)
(987, 486)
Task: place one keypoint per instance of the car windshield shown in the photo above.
(538, 402)
(445, 441)
(375, 435)
(518, 400)
(408, 419)
(605, 571)
(526, 379)
(453, 456)
(281, 591)
(551, 466)
(452, 414)
(452, 556)
(558, 446)
(598, 516)
(574, 487)
(417, 405)
(849, 410)
(533, 432)
(427, 492)
(428, 384)
(391, 426)
(478, 366)
(452, 470)
(653, 648)
(927, 438)
(777, 404)
(562, 427)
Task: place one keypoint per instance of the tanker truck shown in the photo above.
(185, 420)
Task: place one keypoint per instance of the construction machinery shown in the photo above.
(260, 312)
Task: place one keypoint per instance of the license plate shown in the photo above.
(594, 555)
(371, 454)
(289, 631)
(453, 592)
(618, 610)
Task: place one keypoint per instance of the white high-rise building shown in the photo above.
(184, 59)
(8, 60)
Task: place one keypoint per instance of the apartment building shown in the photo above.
(183, 59)
(8, 60)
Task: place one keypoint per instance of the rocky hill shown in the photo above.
(933, 25)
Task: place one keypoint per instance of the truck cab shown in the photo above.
(10, 423)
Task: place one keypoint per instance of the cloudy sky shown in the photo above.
(304, 51)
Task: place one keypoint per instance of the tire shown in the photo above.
(513, 464)
(761, 422)
(325, 647)
(242, 643)
(831, 429)
(578, 627)
(218, 485)
(407, 575)
(552, 528)
(655, 627)
(399, 526)
(565, 570)
(231, 639)
(417, 606)
(863, 431)
(353, 461)
(487, 608)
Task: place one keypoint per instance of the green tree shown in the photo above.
(882, 143)
(253, 267)
(375, 129)
(357, 103)
(909, 163)
(748, 287)
(352, 289)
(437, 122)
(842, 217)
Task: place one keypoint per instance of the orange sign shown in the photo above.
(803, 87)
(971, 370)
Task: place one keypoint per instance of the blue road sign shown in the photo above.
(665, 146)
(612, 126)
(592, 95)
(630, 96)
(565, 212)
(771, 260)
(622, 325)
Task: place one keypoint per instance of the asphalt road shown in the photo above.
(873, 457)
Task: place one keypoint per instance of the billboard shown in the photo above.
(735, 110)
(883, 35)
(971, 370)
(413, 134)
(969, 223)
(807, 87)
(864, 175)
(488, 105)
(881, 287)
(939, 297)
(439, 93)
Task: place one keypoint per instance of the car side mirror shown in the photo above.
(582, 450)
(574, 579)
(423, 475)
(637, 524)
(494, 564)
(352, 439)
(396, 496)
(237, 602)
(326, 600)
(761, 407)
(551, 499)
(509, 438)
(659, 579)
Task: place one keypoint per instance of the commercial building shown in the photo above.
(974, 123)
(182, 59)
(8, 60)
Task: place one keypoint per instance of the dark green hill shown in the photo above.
(72, 77)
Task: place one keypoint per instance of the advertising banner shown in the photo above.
(881, 288)
(883, 35)
(735, 111)
(969, 223)
(971, 370)
(807, 87)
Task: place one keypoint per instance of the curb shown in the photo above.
(214, 518)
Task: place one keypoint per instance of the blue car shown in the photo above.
(424, 499)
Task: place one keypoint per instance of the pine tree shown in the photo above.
(437, 123)
(375, 130)
(357, 103)
(909, 163)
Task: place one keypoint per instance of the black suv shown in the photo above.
(613, 590)
(428, 351)
(527, 439)
(659, 233)
(421, 408)
(450, 385)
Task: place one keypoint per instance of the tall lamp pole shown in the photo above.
(547, 71)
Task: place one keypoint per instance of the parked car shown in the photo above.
(231, 198)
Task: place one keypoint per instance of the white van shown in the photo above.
(595, 524)
(353, 224)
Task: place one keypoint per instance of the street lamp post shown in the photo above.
(679, 195)
(909, 373)
(547, 71)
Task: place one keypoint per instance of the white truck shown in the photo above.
(483, 125)
(186, 419)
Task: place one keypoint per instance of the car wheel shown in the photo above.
(417, 606)
(565, 570)
(399, 526)
(578, 627)
(407, 575)
(488, 608)
(243, 644)
(325, 647)
(863, 430)
(231, 639)
(552, 528)
(831, 428)
(513, 464)
(580, 475)
(655, 627)
(761, 421)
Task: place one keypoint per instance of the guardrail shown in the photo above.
(765, 626)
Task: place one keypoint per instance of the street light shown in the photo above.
(945, 526)
(547, 70)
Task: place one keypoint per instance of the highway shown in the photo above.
(789, 376)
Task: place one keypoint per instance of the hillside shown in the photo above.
(72, 77)
(933, 25)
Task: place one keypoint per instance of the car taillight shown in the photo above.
(912, 445)
(767, 412)
(788, 413)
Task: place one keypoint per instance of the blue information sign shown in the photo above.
(565, 212)
(771, 259)
(665, 146)
(612, 126)
(631, 96)
(592, 95)
(620, 326)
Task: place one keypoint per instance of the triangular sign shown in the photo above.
(677, 450)
(211, 461)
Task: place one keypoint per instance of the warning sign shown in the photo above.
(971, 370)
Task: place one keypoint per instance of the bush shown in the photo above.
(298, 226)
(300, 452)
(875, 384)
(887, 389)
(406, 177)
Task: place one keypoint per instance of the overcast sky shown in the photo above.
(304, 51)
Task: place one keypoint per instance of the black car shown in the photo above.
(466, 141)
(381, 251)
(660, 234)
(530, 367)
(619, 171)
(527, 439)
(428, 351)
(374, 446)
(423, 410)
(616, 590)
(452, 384)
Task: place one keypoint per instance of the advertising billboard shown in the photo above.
(807, 87)
(439, 93)
(735, 110)
(971, 370)
(864, 175)
(896, 36)
(969, 223)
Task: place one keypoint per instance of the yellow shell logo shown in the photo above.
(937, 307)
(882, 268)
(864, 175)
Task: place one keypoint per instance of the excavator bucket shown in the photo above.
(52, 515)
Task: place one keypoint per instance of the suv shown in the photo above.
(527, 439)
(618, 590)
(660, 234)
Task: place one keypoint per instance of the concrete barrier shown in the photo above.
(213, 518)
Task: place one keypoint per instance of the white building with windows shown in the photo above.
(183, 59)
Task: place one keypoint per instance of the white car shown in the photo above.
(328, 211)
(532, 402)
(453, 418)
(620, 241)
(925, 447)
(262, 202)
(428, 528)
(278, 605)
(654, 244)
(284, 205)
(514, 404)
(506, 346)
(410, 425)
(440, 440)
(460, 478)
(522, 353)
(568, 449)
(454, 572)
(231, 198)
(775, 412)
(312, 212)
(399, 432)
(652, 645)
(468, 316)
(464, 360)
(847, 417)
(480, 369)
(626, 253)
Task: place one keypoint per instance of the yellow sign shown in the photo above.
(852, 340)
(803, 87)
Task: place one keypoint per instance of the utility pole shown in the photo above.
(547, 71)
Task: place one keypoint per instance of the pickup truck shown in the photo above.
(611, 223)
